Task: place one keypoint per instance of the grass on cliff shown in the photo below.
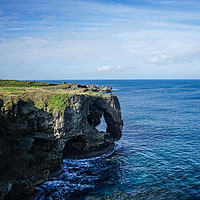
(43, 95)
(54, 100)
(16, 83)
(59, 101)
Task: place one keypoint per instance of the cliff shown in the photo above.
(41, 124)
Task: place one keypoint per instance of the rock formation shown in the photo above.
(34, 141)
(92, 87)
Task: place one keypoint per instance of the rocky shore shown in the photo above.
(92, 87)
(41, 125)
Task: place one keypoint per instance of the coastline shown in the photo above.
(49, 122)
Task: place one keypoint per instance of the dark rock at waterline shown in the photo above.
(79, 154)
(33, 141)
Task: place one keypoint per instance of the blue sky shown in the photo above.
(99, 39)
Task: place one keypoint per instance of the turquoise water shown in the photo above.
(158, 156)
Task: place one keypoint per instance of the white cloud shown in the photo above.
(86, 34)
(15, 29)
(162, 59)
(109, 68)
(178, 58)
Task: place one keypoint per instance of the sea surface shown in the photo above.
(158, 157)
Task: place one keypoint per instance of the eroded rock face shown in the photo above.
(33, 142)
(83, 119)
(1, 103)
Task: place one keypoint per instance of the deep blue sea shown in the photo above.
(158, 157)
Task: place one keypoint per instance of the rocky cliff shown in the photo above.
(40, 126)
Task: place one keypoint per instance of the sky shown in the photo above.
(99, 39)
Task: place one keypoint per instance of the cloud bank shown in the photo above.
(162, 59)
(109, 68)
(186, 57)
(73, 38)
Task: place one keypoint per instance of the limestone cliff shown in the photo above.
(38, 127)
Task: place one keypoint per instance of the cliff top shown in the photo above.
(47, 96)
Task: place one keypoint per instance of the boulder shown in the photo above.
(106, 88)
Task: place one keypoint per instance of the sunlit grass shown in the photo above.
(44, 96)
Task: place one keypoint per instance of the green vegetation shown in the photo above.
(40, 95)
(106, 95)
(90, 92)
(37, 99)
(59, 101)
(12, 89)
(15, 83)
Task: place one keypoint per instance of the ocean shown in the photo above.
(158, 156)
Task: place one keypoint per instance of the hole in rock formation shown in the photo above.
(96, 118)
(94, 134)
(102, 126)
